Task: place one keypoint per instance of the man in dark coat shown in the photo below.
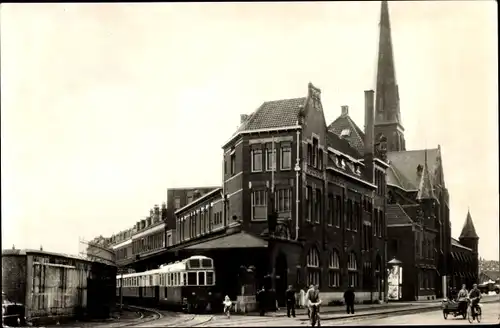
(261, 301)
(290, 301)
(349, 300)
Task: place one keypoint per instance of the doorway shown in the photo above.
(281, 278)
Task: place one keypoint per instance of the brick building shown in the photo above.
(418, 223)
(328, 203)
(143, 246)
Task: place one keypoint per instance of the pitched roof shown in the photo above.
(456, 243)
(396, 215)
(405, 164)
(356, 135)
(342, 145)
(469, 231)
(425, 188)
(274, 114)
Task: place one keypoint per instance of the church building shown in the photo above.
(418, 222)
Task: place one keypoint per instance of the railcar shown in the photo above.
(183, 285)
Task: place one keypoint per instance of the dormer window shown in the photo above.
(345, 133)
(358, 171)
(337, 162)
(342, 162)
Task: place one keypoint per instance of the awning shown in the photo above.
(237, 240)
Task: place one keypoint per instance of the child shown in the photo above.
(227, 306)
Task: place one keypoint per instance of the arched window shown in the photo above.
(334, 269)
(352, 268)
(313, 270)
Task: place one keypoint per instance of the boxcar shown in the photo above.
(52, 285)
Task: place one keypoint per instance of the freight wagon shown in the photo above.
(55, 286)
(185, 285)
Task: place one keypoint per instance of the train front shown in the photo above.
(199, 282)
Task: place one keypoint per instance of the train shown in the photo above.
(186, 285)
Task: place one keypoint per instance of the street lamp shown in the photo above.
(394, 279)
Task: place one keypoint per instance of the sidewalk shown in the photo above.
(339, 312)
(359, 308)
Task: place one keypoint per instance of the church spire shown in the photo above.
(388, 114)
(468, 231)
(425, 189)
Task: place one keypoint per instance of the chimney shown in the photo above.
(157, 213)
(163, 211)
(345, 110)
(369, 134)
(243, 118)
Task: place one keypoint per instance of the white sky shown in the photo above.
(105, 106)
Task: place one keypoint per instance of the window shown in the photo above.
(177, 203)
(256, 160)
(271, 159)
(313, 270)
(356, 216)
(201, 278)
(308, 203)
(334, 270)
(381, 223)
(309, 154)
(210, 278)
(286, 158)
(233, 163)
(259, 198)
(225, 167)
(375, 223)
(259, 209)
(283, 200)
(318, 207)
(352, 268)
(331, 212)
(315, 152)
(338, 211)
(320, 159)
(349, 215)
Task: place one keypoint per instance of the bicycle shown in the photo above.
(314, 315)
(477, 315)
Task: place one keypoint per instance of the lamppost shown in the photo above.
(394, 278)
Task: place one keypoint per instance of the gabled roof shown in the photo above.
(469, 231)
(356, 135)
(274, 114)
(396, 215)
(405, 165)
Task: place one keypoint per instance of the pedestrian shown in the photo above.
(227, 306)
(302, 298)
(309, 291)
(260, 301)
(290, 301)
(349, 299)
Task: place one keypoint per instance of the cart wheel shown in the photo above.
(445, 315)
(469, 314)
(478, 315)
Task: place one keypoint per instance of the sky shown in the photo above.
(105, 106)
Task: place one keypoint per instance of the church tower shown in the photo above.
(387, 111)
(469, 237)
